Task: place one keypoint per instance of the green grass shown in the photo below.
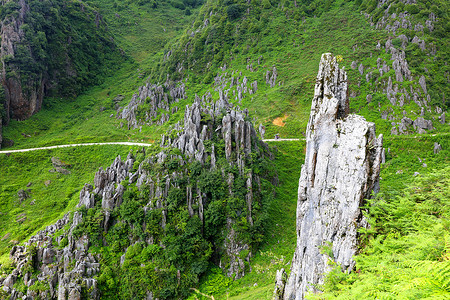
(54, 194)
(407, 252)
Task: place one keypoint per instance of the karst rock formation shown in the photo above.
(341, 169)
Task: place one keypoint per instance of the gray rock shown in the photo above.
(271, 77)
(47, 257)
(262, 130)
(421, 123)
(442, 118)
(22, 195)
(86, 197)
(280, 282)
(342, 151)
(437, 148)
(404, 40)
(423, 84)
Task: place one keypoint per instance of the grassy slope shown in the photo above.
(279, 244)
(53, 200)
(297, 60)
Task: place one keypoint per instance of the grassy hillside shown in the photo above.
(208, 46)
(141, 31)
(50, 194)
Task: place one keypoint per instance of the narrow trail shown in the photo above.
(76, 145)
(147, 145)
(281, 140)
(111, 143)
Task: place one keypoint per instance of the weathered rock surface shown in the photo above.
(437, 148)
(341, 169)
(59, 166)
(66, 270)
(398, 88)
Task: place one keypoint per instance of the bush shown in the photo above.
(178, 5)
(412, 9)
(234, 11)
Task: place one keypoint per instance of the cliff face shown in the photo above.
(49, 48)
(22, 97)
(341, 169)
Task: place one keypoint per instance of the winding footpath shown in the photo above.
(76, 145)
(111, 143)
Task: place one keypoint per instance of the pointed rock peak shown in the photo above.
(330, 92)
(341, 169)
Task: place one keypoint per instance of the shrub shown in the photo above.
(234, 11)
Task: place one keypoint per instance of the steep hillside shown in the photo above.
(160, 218)
(50, 48)
(140, 30)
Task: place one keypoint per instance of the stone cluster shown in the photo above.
(63, 261)
(156, 97)
(64, 270)
(394, 87)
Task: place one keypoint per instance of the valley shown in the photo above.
(177, 187)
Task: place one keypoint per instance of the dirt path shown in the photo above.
(76, 145)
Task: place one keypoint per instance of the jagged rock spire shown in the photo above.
(341, 169)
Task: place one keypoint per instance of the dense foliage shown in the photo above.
(160, 244)
(63, 43)
(226, 28)
(407, 251)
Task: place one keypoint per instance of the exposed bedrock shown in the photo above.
(341, 169)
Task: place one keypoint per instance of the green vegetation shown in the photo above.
(404, 253)
(65, 120)
(171, 229)
(407, 251)
(50, 195)
(66, 42)
(279, 242)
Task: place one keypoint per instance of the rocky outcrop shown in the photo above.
(22, 98)
(63, 264)
(393, 77)
(145, 106)
(215, 136)
(341, 169)
(44, 50)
